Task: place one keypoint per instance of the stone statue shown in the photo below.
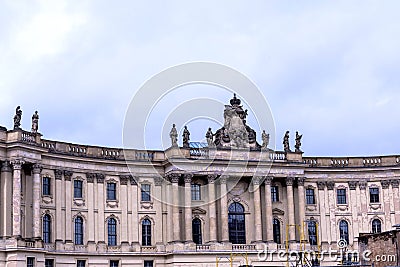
(298, 142)
(209, 137)
(17, 118)
(286, 147)
(35, 122)
(265, 140)
(173, 134)
(186, 137)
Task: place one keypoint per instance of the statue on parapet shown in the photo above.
(35, 122)
(265, 140)
(173, 134)
(298, 142)
(186, 137)
(17, 118)
(286, 146)
(210, 137)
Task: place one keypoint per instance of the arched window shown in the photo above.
(344, 230)
(196, 231)
(78, 231)
(376, 226)
(112, 232)
(276, 227)
(312, 233)
(47, 228)
(237, 228)
(146, 232)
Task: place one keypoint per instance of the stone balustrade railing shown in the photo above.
(341, 162)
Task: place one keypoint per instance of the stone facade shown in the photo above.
(68, 204)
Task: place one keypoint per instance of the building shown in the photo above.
(66, 204)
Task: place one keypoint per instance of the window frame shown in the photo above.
(344, 232)
(275, 193)
(79, 262)
(197, 235)
(112, 263)
(112, 232)
(146, 232)
(310, 198)
(46, 261)
(374, 197)
(46, 186)
(30, 264)
(341, 196)
(195, 191)
(79, 236)
(276, 231)
(148, 263)
(312, 233)
(236, 223)
(145, 192)
(78, 189)
(46, 228)
(111, 193)
(376, 228)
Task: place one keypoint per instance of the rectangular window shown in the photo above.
(274, 194)
(78, 189)
(46, 186)
(30, 262)
(148, 264)
(374, 195)
(48, 263)
(310, 199)
(196, 192)
(341, 196)
(111, 191)
(80, 263)
(145, 189)
(114, 263)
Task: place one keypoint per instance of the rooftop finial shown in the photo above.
(235, 101)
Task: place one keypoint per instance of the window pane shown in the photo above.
(274, 194)
(111, 191)
(146, 232)
(148, 264)
(344, 230)
(46, 186)
(114, 263)
(376, 226)
(78, 231)
(277, 231)
(341, 196)
(77, 189)
(312, 233)
(145, 192)
(112, 232)
(374, 195)
(30, 262)
(46, 228)
(48, 263)
(196, 192)
(196, 231)
(236, 221)
(310, 199)
(80, 263)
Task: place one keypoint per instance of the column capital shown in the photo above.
(257, 180)
(321, 185)
(223, 179)
(289, 181)
(37, 168)
(17, 164)
(330, 185)
(90, 177)
(268, 180)
(158, 180)
(67, 175)
(133, 179)
(385, 184)
(211, 178)
(5, 166)
(353, 185)
(188, 177)
(362, 184)
(123, 179)
(58, 174)
(174, 177)
(100, 178)
(300, 181)
(395, 183)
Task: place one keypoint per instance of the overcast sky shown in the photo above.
(329, 69)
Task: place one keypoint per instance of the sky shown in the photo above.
(328, 69)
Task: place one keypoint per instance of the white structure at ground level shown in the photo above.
(68, 204)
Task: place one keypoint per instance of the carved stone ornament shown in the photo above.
(330, 185)
(188, 178)
(223, 179)
(289, 181)
(158, 180)
(133, 180)
(362, 184)
(123, 179)
(268, 180)
(321, 185)
(300, 181)
(58, 174)
(211, 178)
(67, 175)
(146, 205)
(100, 178)
(5, 166)
(174, 177)
(257, 180)
(385, 184)
(353, 185)
(37, 168)
(90, 177)
(17, 164)
(395, 183)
